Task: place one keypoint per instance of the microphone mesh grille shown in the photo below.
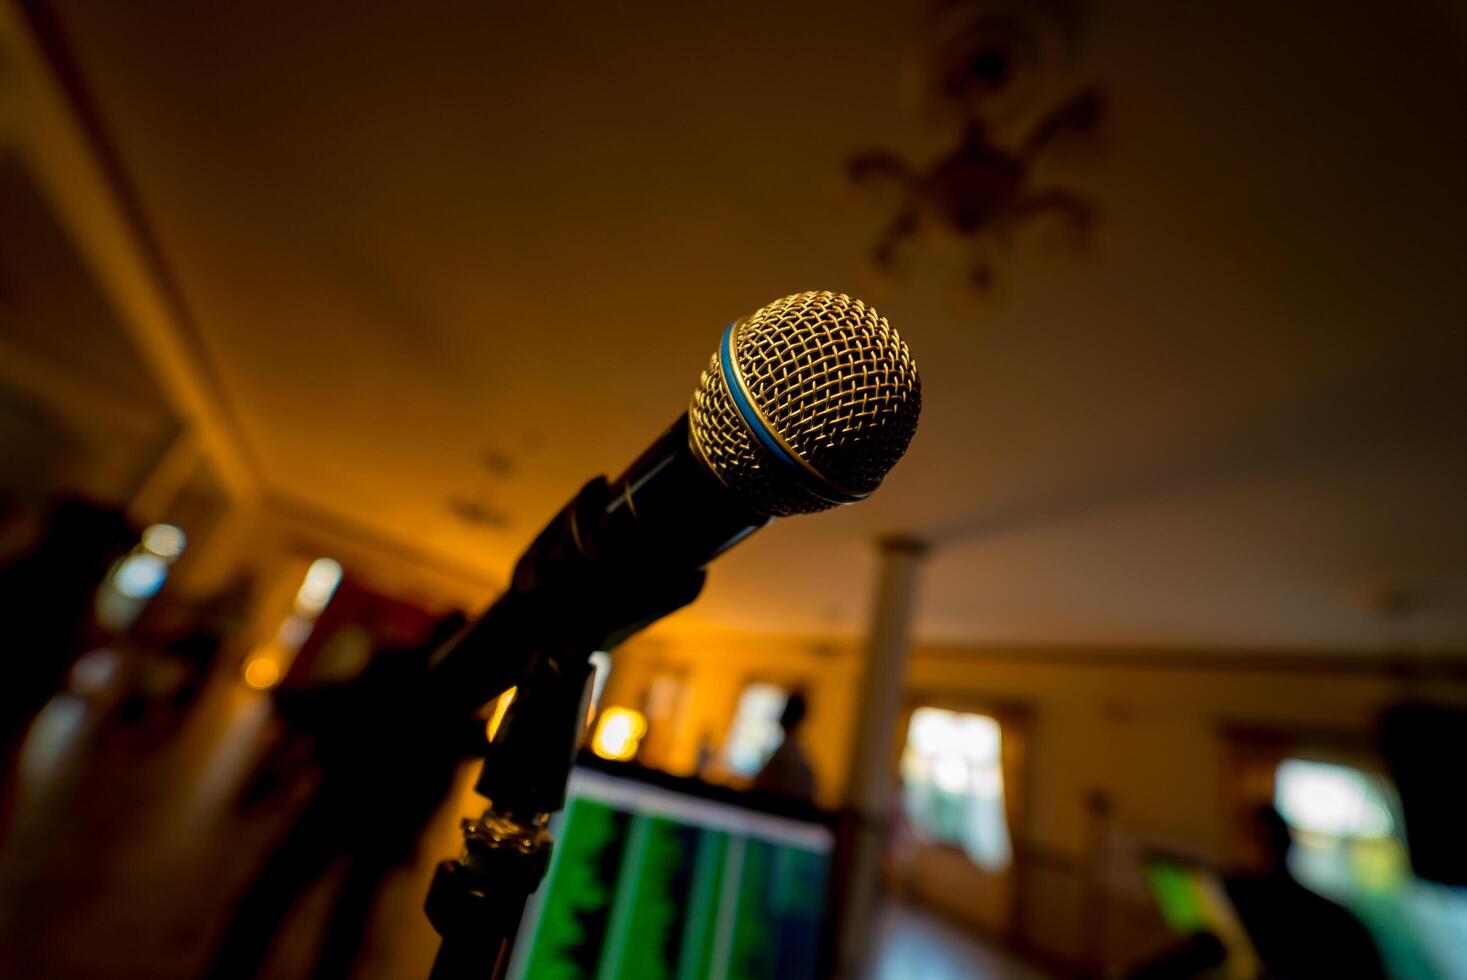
(835, 383)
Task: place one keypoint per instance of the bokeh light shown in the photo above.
(165, 540)
(261, 673)
(320, 584)
(618, 734)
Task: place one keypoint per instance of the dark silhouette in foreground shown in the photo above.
(387, 762)
(1296, 932)
(1197, 956)
(46, 601)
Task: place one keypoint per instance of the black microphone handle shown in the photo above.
(670, 507)
(616, 558)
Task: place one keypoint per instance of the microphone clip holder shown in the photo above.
(476, 901)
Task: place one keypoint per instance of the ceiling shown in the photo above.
(449, 253)
(78, 405)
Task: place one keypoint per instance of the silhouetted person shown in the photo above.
(1197, 956)
(387, 761)
(46, 601)
(1297, 932)
(788, 773)
(213, 624)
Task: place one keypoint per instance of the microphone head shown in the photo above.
(806, 404)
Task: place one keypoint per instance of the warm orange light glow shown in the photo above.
(501, 705)
(262, 673)
(618, 734)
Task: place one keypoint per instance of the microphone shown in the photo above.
(806, 404)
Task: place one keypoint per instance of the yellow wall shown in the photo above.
(715, 668)
(1141, 729)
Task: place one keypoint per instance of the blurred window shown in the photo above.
(1331, 800)
(165, 540)
(1349, 847)
(952, 784)
(755, 732)
(319, 586)
(140, 576)
(662, 707)
(137, 578)
(265, 668)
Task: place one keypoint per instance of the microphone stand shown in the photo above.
(476, 902)
(574, 592)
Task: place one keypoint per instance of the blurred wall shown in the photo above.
(1125, 750)
(715, 668)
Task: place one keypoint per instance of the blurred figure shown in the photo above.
(788, 772)
(183, 643)
(387, 762)
(1198, 956)
(46, 598)
(1297, 932)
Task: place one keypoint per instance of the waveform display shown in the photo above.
(652, 885)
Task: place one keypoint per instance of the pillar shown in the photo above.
(871, 789)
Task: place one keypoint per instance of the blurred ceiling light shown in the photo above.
(618, 734)
(165, 540)
(261, 673)
(140, 575)
(320, 584)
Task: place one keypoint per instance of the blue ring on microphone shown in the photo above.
(792, 466)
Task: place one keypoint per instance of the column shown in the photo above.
(871, 789)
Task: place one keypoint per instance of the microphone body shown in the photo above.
(805, 405)
(669, 506)
(618, 556)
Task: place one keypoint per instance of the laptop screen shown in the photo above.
(664, 879)
(1192, 899)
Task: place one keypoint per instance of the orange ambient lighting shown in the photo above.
(261, 673)
(618, 734)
